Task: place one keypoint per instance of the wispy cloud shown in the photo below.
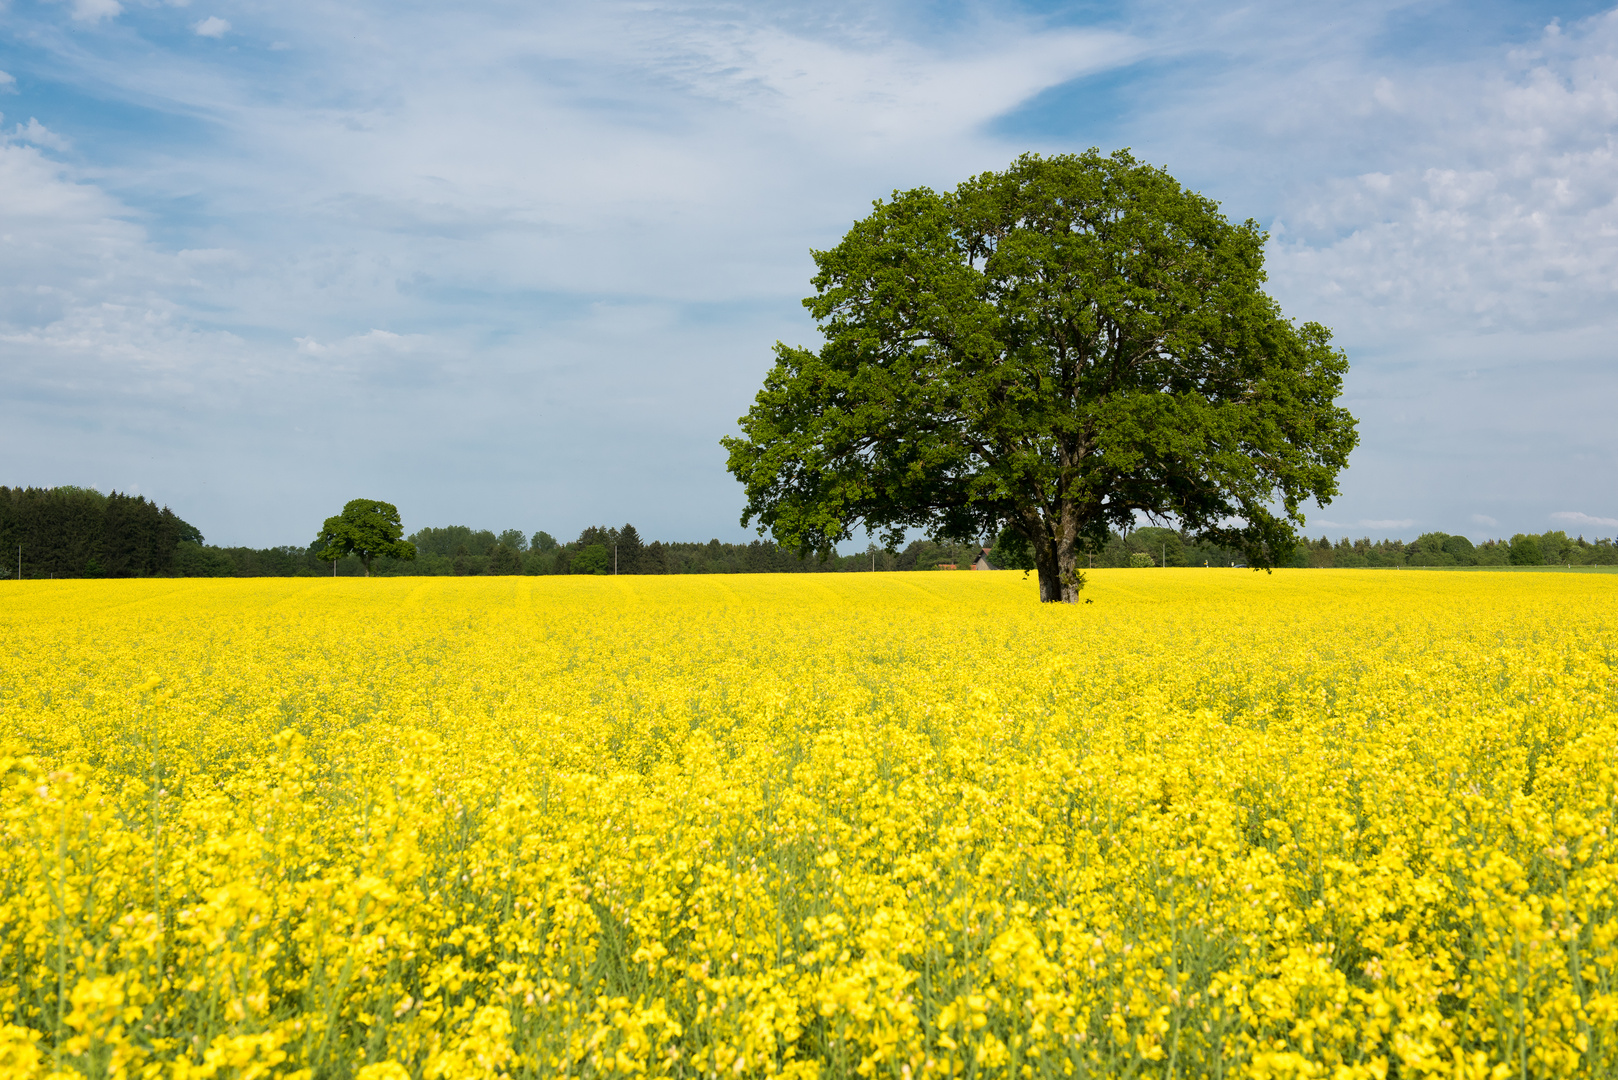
(366, 344)
(1482, 214)
(40, 135)
(583, 225)
(93, 11)
(8, 83)
(1573, 517)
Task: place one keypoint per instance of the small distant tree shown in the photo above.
(504, 560)
(1461, 550)
(366, 528)
(629, 550)
(1430, 549)
(1525, 551)
(595, 534)
(592, 559)
(1555, 548)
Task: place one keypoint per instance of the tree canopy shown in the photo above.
(1054, 350)
(366, 528)
(79, 532)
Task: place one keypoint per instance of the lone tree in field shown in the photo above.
(366, 528)
(1050, 350)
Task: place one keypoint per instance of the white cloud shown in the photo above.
(65, 243)
(1484, 519)
(574, 194)
(213, 26)
(40, 135)
(93, 11)
(866, 96)
(89, 309)
(8, 83)
(1498, 207)
(367, 344)
(1573, 517)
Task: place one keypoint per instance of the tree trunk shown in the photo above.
(1056, 557)
(1050, 583)
(1047, 563)
(1070, 579)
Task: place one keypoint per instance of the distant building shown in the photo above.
(982, 561)
(947, 566)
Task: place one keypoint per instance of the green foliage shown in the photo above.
(1461, 550)
(366, 528)
(761, 557)
(64, 524)
(1061, 346)
(457, 549)
(1428, 550)
(629, 550)
(1441, 549)
(79, 532)
(504, 560)
(594, 534)
(452, 540)
(1556, 549)
(1012, 551)
(1140, 560)
(195, 560)
(1165, 546)
(1525, 551)
(592, 559)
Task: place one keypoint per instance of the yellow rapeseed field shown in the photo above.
(1217, 823)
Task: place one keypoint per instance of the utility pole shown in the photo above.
(19, 562)
(615, 560)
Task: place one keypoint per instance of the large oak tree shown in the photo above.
(1055, 349)
(367, 528)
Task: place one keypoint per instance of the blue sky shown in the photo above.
(517, 265)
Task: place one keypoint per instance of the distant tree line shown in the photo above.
(463, 551)
(1554, 548)
(79, 532)
(459, 550)
(1167, 547)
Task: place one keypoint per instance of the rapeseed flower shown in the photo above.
(1313, 824)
